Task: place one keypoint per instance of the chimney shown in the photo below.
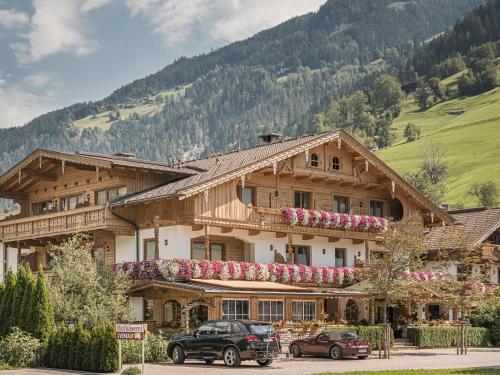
(127, 155)
(270, 137)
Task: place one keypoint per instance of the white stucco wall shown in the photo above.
(125, 248)
(12, 258)
(434, 266)
(258, 246)
(137, 307)
(2, 257)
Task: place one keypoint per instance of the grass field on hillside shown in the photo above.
(469, 130)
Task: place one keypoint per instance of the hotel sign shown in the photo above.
(131, 331)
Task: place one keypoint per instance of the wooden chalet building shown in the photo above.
(224, 207)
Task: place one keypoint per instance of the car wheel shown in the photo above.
(231, 357)
(178, 356)
(295, 351)
(264, 362)
(362, 356)
(335, 352)
(209, 361)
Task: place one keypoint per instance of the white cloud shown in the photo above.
(57, 26)
(41, 79)
(12, 18)
(220, 20)
(19, 106)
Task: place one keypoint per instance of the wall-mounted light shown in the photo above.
(165, 242)
(271, 247)
(359, 253)
(324, 251)
(360, 204)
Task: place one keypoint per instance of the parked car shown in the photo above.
(232, 341)
(334, 344)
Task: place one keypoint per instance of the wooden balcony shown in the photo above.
(491, 252)
(271, 220)
(62, 223)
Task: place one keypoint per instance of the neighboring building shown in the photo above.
(225, 207)
(481, 227)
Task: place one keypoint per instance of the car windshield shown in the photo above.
(348, 336)
(262, 329)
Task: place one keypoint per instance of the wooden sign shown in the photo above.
(131, 331)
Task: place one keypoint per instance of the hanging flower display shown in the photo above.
(333, 220)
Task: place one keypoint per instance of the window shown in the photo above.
(42, 207)
(149, 249)
(271, 310)
(206, 329)
(70, 203)
(98, 255)
(301, 255)
(235, 309)
(303, 310)
(340, 257)
(302, 199)
(377, 208)
(246, 195)
(216, 251)
(341, 204)
(335, 166)
(351, 311)
(172, 313)
(314, 160)
(103, 196)
(148, 309)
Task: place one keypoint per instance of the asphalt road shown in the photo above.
(403, 359)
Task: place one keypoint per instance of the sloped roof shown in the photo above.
(215, 170)
(477, 223)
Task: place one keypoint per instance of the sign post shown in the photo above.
(130, 332)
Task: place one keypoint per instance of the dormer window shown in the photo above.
(335, 163)
(314, 160)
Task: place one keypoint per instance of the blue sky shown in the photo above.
(57, 52)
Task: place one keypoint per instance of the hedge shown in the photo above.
(368, 333)
(445, 337)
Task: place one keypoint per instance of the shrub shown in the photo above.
(368, 333)
(155, 350)
(131, 371)
(495, 330)
(445, 337)
(20, 349)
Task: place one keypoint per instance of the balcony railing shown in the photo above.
(58, 223)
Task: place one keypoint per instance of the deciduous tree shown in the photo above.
(484, 192)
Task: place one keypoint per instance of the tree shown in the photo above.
(83, 340)
(412, 132)
(6, 305)
(25, 310)
(485, 192)
(109, 350)
(42, 314)
(437, 87)
(17, 299)
(386, 95)
(422, 95)
(83, 291)
(401, 251)
(433, 163)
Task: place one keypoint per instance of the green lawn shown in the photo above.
(469, 130)
(470, 371)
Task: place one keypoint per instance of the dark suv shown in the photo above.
(232, 341)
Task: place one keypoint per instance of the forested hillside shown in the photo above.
(276, 80)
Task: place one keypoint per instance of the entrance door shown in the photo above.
(433, 311)
(301, 254)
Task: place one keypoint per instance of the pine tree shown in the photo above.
(81, 351)
(62, 360)
(42, 315)
(109, 350)
(17, 299)
(72, 349)
(2, 290)
(6, 305)
(25, 309)
(95, 352)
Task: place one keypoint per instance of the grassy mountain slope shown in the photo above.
(469, 130)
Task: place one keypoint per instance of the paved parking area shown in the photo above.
(403, 359)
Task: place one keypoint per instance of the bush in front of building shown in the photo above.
(155, 350)
(78, 349)
(445, 337)
(495, 331)
(20, 349)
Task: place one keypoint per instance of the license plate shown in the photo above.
(281, 356)
(362, 350)
(267, 340)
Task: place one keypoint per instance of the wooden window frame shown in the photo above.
(314, 159)
(270, 300)
(379, 201)
(107, 191)
(145, 248)
(295, 253)
(224, 246)
(348, 202)
(301, 192)
(335, 256)
(330, 166)
(234, 300)
(303, 301)
(239, 189)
